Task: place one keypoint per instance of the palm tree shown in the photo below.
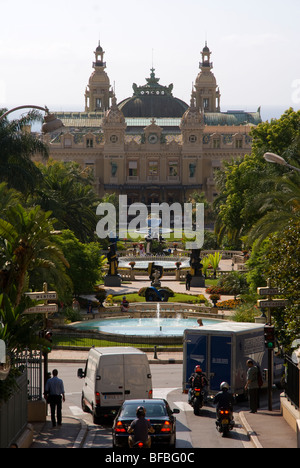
(214, 260)
(277, 208)
(17, 146)
(8, 197)
(25, 245)
(20, 330)
(67, 192)
(234, 283)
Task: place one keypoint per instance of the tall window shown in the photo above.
(153, 168)
(132, 169)
(173, 169)
(206, 103)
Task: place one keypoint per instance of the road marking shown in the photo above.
(162, 392)
(183, 406)
(76, 411)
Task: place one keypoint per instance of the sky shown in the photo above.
(47, 49)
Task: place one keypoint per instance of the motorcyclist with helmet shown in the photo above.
(224, 398)
(224, 401)
(197, 380)
(140, 428)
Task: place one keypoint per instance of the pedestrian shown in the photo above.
(252, 385)
(188, 279)
(124, 305)
(54, 389)
(75, 305)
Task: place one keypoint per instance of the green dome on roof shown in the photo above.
(153, 100)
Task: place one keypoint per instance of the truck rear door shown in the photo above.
(220, 361)
(196, 353)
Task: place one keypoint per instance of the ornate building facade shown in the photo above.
(152, 146)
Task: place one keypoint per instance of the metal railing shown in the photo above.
(13, 414)
(292, 381)
(31, 361)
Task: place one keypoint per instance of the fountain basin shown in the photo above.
(151, 326)
(130, 327)
(142, 263)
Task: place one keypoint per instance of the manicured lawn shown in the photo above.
(75, 341)
(178, 297)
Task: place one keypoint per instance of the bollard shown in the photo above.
(155, 353)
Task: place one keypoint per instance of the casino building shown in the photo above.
(152, 146)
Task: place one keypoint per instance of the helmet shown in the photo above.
(198, 369)
(224, 386)
(140, 411)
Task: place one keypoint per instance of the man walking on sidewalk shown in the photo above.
(252, 385)
(55, 392)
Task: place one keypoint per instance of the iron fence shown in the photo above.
(292, 381)
(13, 414)
(31, 361)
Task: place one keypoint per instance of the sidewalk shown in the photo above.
(265, 429)
(70, 434)
(268, 429)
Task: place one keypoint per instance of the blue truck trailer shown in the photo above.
(222, 350)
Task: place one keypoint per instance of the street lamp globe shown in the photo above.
(274, 158)
(51, 123)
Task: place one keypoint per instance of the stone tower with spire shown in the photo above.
(98, 93)
(207, 93)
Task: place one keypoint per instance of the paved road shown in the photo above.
(192, 431)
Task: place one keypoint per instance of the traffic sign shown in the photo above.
(272, 304)
(42, 296)
(42, 309)
(268, 291)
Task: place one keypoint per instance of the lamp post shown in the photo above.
(275, 158)
(51, 123)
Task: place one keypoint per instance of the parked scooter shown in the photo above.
(225, 422)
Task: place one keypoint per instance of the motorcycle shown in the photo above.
(197, 400)
(139, 444)
(224, 422)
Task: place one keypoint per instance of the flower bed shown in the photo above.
(229, 304)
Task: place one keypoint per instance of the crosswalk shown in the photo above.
(76, 411)
(183, 406)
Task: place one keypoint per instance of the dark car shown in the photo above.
(159, 414)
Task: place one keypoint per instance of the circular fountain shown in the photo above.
(138, 327)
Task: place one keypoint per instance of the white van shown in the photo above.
(111, 376)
